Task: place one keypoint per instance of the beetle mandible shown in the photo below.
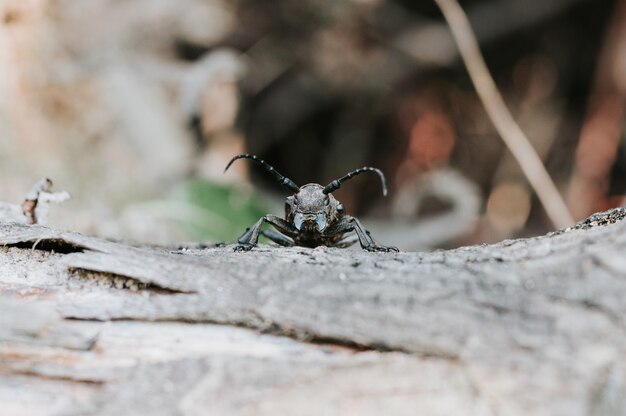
(313, 217)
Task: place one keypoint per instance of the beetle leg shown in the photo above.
(366, 240)
(250, 238)
(278, 238)
(349, 223)
(346, 242)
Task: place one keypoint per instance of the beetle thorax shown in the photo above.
(311, 198)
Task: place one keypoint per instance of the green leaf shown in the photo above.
(217, 212)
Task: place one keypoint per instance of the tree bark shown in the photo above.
(530, 326)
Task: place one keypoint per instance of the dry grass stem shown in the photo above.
(509, 130)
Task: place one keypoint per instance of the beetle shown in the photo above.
(313, 217)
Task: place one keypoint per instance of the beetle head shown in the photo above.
(312, 209)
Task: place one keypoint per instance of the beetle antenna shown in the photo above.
(284, 181)
(336, 184)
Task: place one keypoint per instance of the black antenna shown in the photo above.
(336, 184)
(286, 182)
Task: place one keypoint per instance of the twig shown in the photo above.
(35, 205)
(32, 199)
(512, 135)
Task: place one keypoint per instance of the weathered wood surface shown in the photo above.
(534, 326)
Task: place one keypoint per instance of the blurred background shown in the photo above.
(136, 106)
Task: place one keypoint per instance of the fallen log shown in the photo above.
(529, 326)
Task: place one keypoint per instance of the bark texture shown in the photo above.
(530, 326)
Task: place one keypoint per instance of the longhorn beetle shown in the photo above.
(313, 217)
